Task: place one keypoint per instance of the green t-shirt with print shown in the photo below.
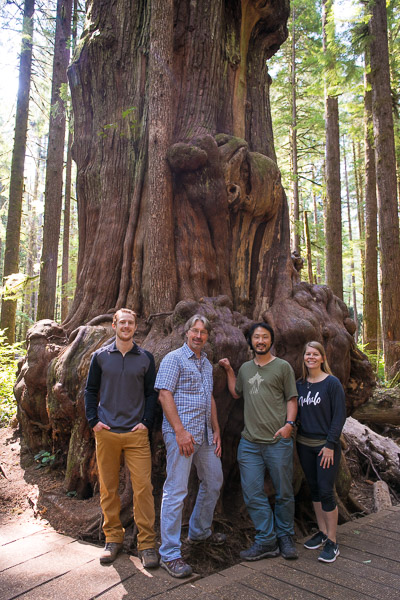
(266, 391)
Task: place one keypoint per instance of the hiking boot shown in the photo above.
(110, 552)
(176, 567)
(257, 551)
(287, 547)
(330, 552)
(149, 558)
(316, 541)
(215, 539)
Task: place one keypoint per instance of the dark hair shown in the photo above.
(250, 332)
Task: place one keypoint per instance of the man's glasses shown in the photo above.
(202, 332)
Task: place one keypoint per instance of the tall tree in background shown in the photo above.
(11, 255)
(371, 296)
(333, 214)
(350, 230)
(386, 185)
(65, 271)
(293, 139)
(54, 164)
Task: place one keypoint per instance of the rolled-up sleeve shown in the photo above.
(168, 374)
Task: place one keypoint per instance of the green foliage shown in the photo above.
(44, 458)
(376, 359)
(8, 367)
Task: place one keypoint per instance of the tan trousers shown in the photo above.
(136, 448)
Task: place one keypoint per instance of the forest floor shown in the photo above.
(29, 493)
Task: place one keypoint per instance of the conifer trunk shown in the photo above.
(54, 164)
(371, 299)
(13, 232)
(385, 163)
(333, 222)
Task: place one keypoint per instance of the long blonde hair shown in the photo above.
(324, 366)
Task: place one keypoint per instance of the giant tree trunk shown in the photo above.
(227, 200)
(54, 164)
(13, 233)
(221, 230)
(386, 185)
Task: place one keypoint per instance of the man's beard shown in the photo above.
(262, 352)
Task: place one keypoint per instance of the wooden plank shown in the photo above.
(10, 532)
(374, 560)
(281, 588)
(29, 547)
(242, 591)
(373, 547)
(386, 534)
(29, 575)
(369, 539)
(292, 579)
(337, 573)
(79, 581)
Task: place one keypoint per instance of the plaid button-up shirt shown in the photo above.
(190, 381)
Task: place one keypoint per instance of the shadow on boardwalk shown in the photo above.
(36, 563)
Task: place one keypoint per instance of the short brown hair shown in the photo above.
(125, 310)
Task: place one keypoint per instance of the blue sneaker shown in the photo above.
(330, 552)
(257, 551)
(316, 541)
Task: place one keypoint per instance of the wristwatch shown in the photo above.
(292, 423)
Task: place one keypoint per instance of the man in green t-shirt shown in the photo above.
(267, 384)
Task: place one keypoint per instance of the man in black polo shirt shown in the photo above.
(120, 402)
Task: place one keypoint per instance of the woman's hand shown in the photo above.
(327, 457)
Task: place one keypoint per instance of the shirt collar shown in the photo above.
(133, 350)
(190, 354)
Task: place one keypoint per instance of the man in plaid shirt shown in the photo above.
(191, 435)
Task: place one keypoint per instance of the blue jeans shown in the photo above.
(253, 460)
(209, 472)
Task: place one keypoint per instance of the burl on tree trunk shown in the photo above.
(181, 209)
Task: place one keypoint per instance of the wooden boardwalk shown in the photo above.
(36, 563)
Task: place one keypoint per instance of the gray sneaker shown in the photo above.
(215, 539)
(149, 558)
(257, 551)
(110, 552)
(176, 567)
(287, 547)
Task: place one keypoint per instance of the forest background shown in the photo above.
(323, 57)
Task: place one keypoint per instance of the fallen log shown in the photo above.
(382, 409)
(383, 454)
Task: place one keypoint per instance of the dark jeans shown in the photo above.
(321, 481)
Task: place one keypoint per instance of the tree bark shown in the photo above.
(160, 284)
(371, 299)
(293, 137)
(333, 223)
(352, 265)
(13, 232)
(218, 179)
(385, 164)
(54, 164)
(308, 247)
(66, 233)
